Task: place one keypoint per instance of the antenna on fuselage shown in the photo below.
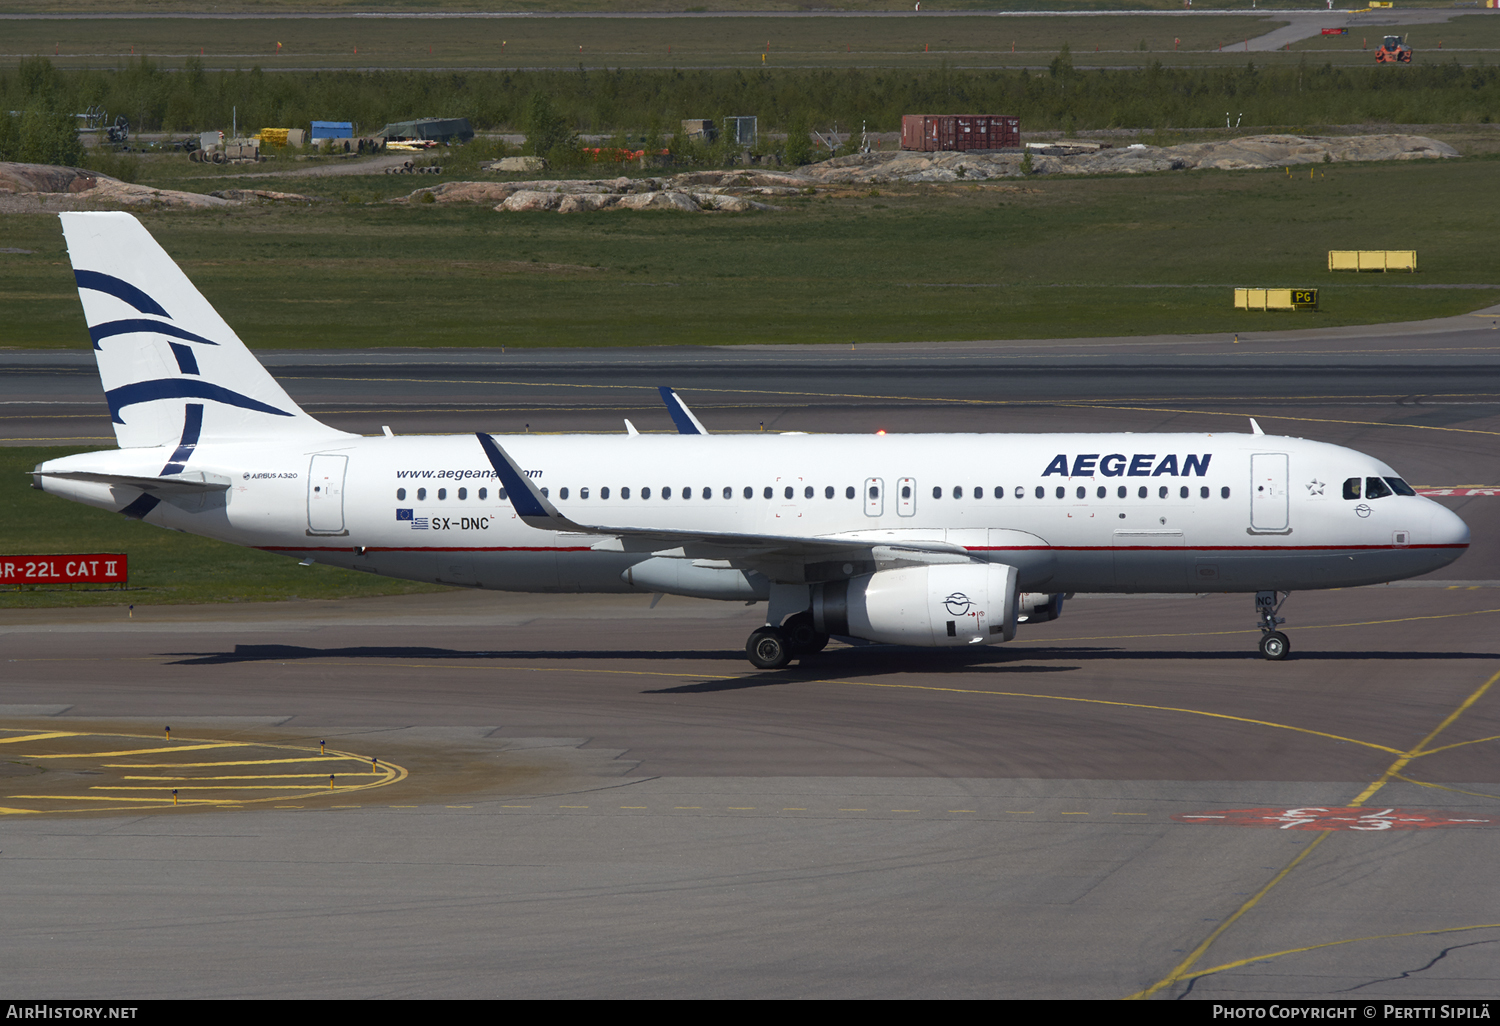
(1255, 428)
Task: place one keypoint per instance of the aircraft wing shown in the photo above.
(781, 557)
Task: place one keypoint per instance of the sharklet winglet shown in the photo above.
(687, 424)
(530, 504)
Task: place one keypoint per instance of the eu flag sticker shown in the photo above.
(403, 514)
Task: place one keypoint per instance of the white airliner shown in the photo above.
(934, 540)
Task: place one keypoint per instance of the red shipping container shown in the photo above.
(937, 132)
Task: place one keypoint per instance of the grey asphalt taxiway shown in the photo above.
(584, 797)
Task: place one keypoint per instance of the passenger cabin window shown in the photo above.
(583, 493)
(421, 494)
(1203, 492)
(645, 493)
(828, 492)
(562, 493)
(544, 492)
(1161, 493)
(937, 492)
(666, 493)
(849, 492)
(1141, 492)
(749, 492)
(807, 493)
(728, 492)
(1083, 493)
(768, 493)
(1183, 494)
(604, 492)
(787, 491)
(1041, 493)
(1351, 488)
(1121, 492)
(1020, 492)
(463, 493)
(499, 494)
(1224, 492)
(999, 491)
(400, 494)
(625, 492)
(708, 493)
(1102, 491)
(1375, 488)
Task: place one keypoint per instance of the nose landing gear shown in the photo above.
(1273, 643)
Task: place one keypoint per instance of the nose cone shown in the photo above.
(1448, 534)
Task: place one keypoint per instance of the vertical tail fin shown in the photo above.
(172, 370)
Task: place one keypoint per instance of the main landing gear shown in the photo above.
(1273, 643)
(771, 648)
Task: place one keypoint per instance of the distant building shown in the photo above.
(444, 130)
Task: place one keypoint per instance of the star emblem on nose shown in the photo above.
(1315, 487)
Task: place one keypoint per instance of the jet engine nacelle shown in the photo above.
(945, 605)
(1039, 607)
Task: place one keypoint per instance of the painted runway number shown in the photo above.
(1333, 818)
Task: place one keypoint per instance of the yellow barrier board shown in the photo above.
(1372, 260)
(1275, 299)
(274, 136)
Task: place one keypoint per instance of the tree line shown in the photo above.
(192, 98)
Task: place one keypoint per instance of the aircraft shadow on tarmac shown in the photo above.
(859, 660)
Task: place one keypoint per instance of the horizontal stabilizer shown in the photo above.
(189, 483)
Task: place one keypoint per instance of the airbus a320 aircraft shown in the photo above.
(934, 540)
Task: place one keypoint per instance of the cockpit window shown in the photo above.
(1351, 488)
(1375, 488)
(1399, 486)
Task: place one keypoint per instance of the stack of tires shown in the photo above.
(408, 169)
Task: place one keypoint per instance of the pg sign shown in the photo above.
(76, 568)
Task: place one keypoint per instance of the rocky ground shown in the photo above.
(34, 187)
(694, 191)
(1257, 151)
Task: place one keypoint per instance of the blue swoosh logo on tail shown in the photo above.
(181, 388)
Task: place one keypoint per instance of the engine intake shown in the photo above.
(945, 605)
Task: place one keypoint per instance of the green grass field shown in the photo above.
(166, 567)
(1103, 39)
(628, 42)
(1040, 258)
(1466, 38)
(614, 7)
